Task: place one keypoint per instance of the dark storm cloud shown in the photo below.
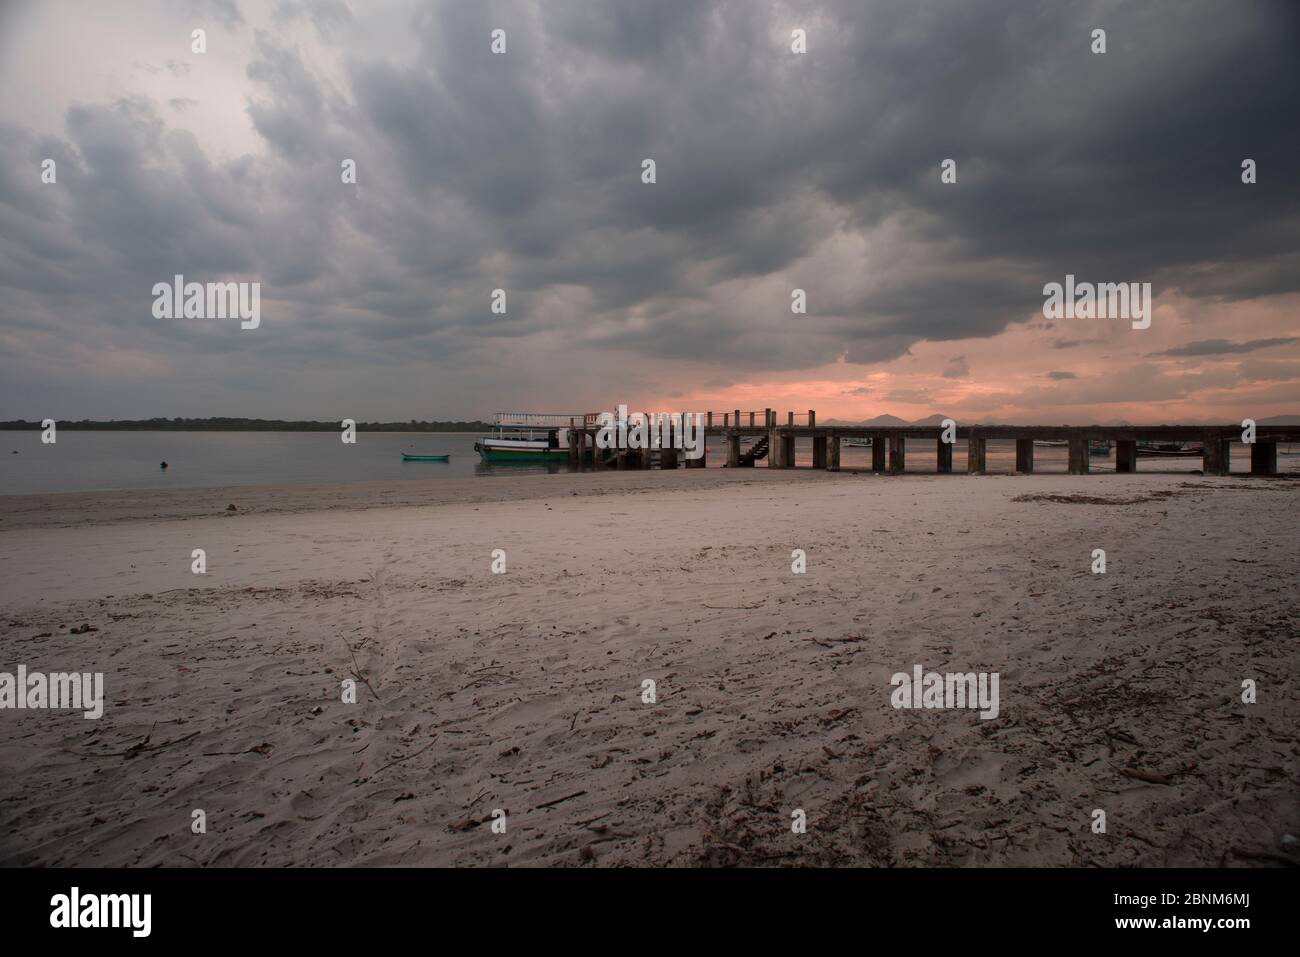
(326, 16)
(819, 171)
(957, 368)
(1223, 347)
(224, 12)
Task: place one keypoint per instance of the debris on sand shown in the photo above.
(1096, 499)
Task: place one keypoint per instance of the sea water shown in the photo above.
(85, 461)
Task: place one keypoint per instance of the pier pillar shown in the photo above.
(774, 446)
(833, 453)
(975, 455)
(668, 458)
(897, 454)
(819, 451)
(812, 418)
(1263, 458)
(787, 453)
(575, 450)
(733, 450)
(878, 445)
(1126, 455)
(1216, 456)
(1025, 456)
(1078, 455)
(702, 461)
(944, 455)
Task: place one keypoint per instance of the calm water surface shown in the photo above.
(95, 461)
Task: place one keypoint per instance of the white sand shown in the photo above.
(522, 691)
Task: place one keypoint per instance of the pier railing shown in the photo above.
(545, 420)
(758, 419)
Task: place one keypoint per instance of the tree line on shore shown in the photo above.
(224, 424)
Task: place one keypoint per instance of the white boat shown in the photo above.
(530, 437)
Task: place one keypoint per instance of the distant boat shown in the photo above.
(409, 457)
(1052, 443)
(1167, 449)
(857, 443)
(1099, 448)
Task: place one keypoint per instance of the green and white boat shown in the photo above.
(530, 437)
(419, 457)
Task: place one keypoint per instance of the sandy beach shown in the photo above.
(523, 691)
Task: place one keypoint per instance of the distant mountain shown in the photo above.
(1279, 420)
(888, 422)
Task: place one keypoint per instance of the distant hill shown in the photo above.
(1279, 420)
(888, 421)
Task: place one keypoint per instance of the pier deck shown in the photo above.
(776, 443)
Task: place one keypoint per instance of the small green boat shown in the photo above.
(408, 457)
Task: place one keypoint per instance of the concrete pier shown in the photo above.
(1025, 456)
(1216, 456)
(943, 453)
(897, 454)
(1126, 455)
(774, 436)
(1078, 464)
(1263, 458)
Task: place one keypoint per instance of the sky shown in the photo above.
(775, 171)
